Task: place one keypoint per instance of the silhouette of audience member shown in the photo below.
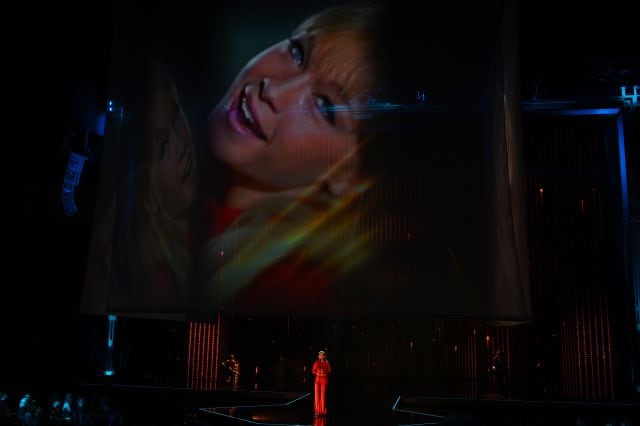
(67, 407)
(34, 413)
(5, 413)
(82, 416)
(22, 406)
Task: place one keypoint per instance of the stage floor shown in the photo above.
(352, 403)
(412, 411)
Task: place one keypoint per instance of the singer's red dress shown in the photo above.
(321, 369)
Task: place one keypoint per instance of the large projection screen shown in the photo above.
(366, 161)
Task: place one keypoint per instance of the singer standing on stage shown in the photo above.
(321, 369)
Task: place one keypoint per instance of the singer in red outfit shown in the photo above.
(321, 369)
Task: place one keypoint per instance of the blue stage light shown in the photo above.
(629, 99)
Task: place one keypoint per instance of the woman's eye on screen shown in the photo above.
(326, 108)
(296, 50)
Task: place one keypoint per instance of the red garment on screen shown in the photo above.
(218, 217)
(292, 283)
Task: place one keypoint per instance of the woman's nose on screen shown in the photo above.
(282, 94)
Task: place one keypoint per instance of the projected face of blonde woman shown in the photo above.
(284, 123)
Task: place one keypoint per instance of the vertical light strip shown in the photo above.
(111, 335)
(609, 351)
(623, 172)
(217, 357)
(199, 359)
(188, 344)
(603, 347)
(591, 361)
(211, 357)
(207, 359)
(583, 341)
(564, 355)
(579, 349)
(598, 344)
(190, 356)
(205, 355)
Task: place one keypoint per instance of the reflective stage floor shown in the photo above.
(353, 402)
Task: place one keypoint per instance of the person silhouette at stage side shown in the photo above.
(321, 369)
(232, 370)
(499, 371)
